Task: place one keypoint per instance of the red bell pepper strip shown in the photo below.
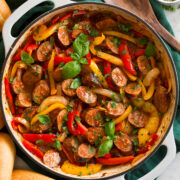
(107, 156)
(30, 48)
(118, 127)
(115, 161)
(107, 70)
(9, 95)
(131, 52)
(88, 57)
(80, 12)
(80, 129)
(145, 148)
(126, 58)
(58, 60)
(17, 56)
(33, 149)
(14, 124)
(45, 137)
(55, 20)
(139, 52)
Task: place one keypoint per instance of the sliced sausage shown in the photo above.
(32, 75)
(90, 80)
(41, 90)
(161, 99)
(44, 51)
(106, 23)
(143, 64)
(93, 116)
(137, 119)
(66, 87)
(60, 117)
(123, 143)
(94, 133)
(86, 95)
(118, 77)
(23, 99)
(86, 151)
(64, 36)
(57, 74)
(133, 89)
(111, 45)
(51, 158)
(29, 113)
(17, 84)
(115, 109)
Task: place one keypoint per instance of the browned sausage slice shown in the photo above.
(23, 99)
(111, 45)
(66, 87)
(60, 117)
(93, 117)
(90, 80)
(86, 95)
(94, 133)
(137, 119)
(86, 151)
(64, 36)
(161, 99)
(29, 113)
(133, 89)
(106, 23)
(40, 91)
(32, 75)
(51, 158)
(17, 85)
(115, 109)
(118, 77)
(143, 64)
(44, 51)
(123, 143)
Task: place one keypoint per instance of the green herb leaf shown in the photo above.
(39, 141)
(57, 144)
(52, 41)
(150, 50)
(125, 27)
(106, 75)
(75, 83)
(77, 118)
(123, 52)
(105, 148)
(94, 33)
(26, 58)
(71, 70)
(83, 61)
(61, 65)
(142, 40)
(76, 26)
(44, 119)
(110, 129)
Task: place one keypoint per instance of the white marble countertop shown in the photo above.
(173, 169)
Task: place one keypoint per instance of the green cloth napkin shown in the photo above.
(158, 156)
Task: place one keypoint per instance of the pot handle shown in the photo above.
(18, 13)
(169, 142)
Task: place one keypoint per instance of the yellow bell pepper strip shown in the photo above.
(70, 168)
(98, 73)
(120, 35)
(50, 73)
(150, 91)
(143, 136)
(169, 85)
(45, 32)
(129, 75)
(18, 64)
(112, 59)
(153, 62)
(124, 115)
(48, 110)
(142, 87)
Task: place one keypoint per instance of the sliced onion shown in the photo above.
(150, 76)
(23, 122)
(51, 100)
(108, 93)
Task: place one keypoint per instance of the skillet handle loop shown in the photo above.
(169, 157)
(18, 13)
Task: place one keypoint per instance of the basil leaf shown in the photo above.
(83, 61)
(142, 40)
(75, 83)
(150, 50)
(123, 52)
(110, 128)
(57, 144)
(71, 70)
(26, 58)
(44, 119)
(105, 148)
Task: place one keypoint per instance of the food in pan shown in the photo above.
(87, 92)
